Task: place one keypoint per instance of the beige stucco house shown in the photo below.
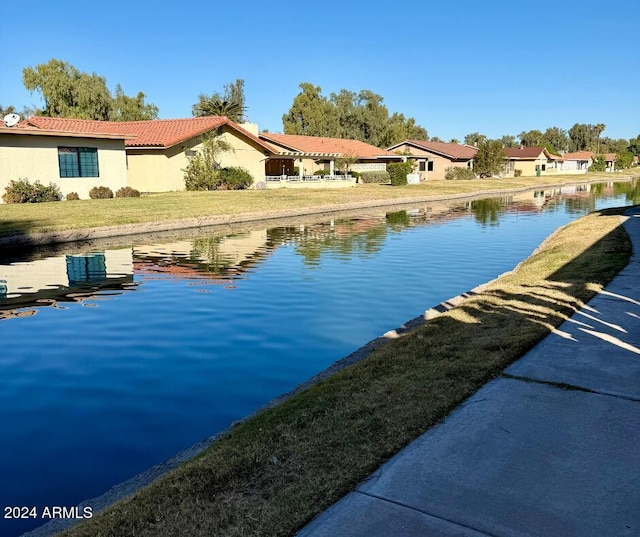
(531, 161)
(433, 158)
(312, 153)
(74, 161)
(158, 150)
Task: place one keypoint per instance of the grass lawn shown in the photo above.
(69, 215)
(273, 473)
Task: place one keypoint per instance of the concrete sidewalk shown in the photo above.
(551, 448)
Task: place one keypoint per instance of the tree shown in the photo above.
(508, 140)
(555, 140)
(585, 137)
(68, 92)
(131, 108)
(454, 141)
(490, 158)
(474, 138)
(25, 112)
(311, 114)
(599, 129)
(634, 145)
(400, 128)
(346, 114)
(231, 103)
(203, 170)
(532, 138)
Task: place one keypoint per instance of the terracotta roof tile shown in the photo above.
(524, 152)
(453, 151)
(160, 133)
(319, 144)
(578, 155)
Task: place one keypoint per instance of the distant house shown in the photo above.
(433, 158)
(575, 163)
(312, 153)
(75, 161)
(157, 151)
(530, 161)
(610, 162)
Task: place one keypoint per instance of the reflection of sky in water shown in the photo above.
(215, 328)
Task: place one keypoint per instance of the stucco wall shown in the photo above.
(162, 170)
(35, 158)
(440, 163)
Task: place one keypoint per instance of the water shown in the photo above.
(115, 359)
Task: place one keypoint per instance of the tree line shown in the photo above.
(69, 92)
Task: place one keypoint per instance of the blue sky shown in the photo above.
(456, 67)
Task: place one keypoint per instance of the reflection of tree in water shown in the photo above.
(581, 205)
(398, 220)
(363, 237)
(487, 211)
(631, 190)
(206, 254)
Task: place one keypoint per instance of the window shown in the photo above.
(430, 166)
(78, 161)
(421, 166)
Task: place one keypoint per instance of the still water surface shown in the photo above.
(114, 359)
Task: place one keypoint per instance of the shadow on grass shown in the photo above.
(271, 474)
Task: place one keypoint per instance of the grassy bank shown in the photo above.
(64, 216)
(273, 473)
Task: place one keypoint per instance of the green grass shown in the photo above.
(273, 473)
(64, 216)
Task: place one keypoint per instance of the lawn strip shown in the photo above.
(273, 473)
(206, 208)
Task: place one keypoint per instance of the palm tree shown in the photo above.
(599, 129)
(217, 106)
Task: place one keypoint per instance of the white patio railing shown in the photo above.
(306, 178)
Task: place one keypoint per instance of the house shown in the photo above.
(433, 158)
(610, 162)
(158, 151)
(75, 161)
(529, 161)
(576, 162)
(312, 153)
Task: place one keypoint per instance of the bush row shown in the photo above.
(379, 177)
(223, 179)
(23, 191)
(457, 172)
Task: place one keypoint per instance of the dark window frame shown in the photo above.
(78, 162)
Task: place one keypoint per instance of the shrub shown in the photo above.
(127, 192)
(599, 164)
(22, 191)
(233, 178)
(203, 170)
(322, 172)
(457, 172)
(375, 177)
(354, 174)
(100, 193)
(398, 172)
(517, 173)
(72, 196)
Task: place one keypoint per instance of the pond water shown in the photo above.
(115, 358)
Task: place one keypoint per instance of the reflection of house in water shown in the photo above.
(63, 278)
(213, 259)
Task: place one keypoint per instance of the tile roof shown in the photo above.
(24, 128)
(319, 144)
(453, 151)
(524, 152)
(578, 155)
(160, 133)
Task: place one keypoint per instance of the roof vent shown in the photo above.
(11, 120)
